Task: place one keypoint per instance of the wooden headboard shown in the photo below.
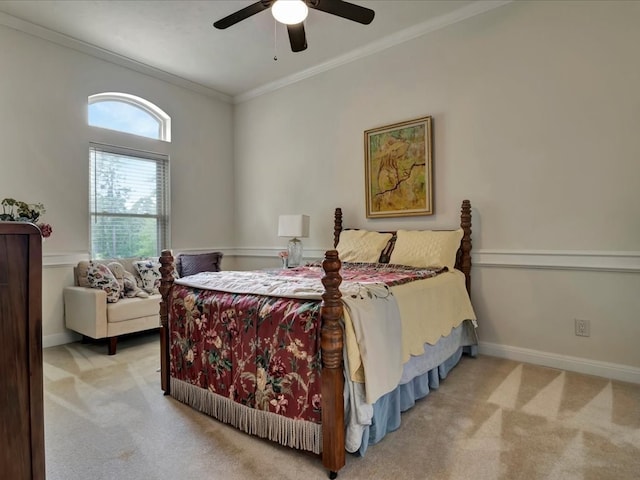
(463, 256)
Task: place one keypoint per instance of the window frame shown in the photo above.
(121, 142)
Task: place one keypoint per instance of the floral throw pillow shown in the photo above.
(99, 276)
(149, 271)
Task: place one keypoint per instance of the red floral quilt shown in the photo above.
(262, 352)
(259, 351)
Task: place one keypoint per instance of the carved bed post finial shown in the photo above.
(465, 260)
(333, 441)
(166, 282)
(337, 226)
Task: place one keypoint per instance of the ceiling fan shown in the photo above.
(293, 12)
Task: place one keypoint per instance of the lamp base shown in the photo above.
(295, 253)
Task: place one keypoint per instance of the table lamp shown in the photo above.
(293, 226)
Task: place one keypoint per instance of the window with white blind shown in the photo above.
(129, 187)
(128, 202)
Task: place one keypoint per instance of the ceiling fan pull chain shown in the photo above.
(275, 40)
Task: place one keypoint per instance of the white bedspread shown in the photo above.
(259, 283)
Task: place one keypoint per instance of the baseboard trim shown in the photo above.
(59, 339)
(564, 362)
(613, 371)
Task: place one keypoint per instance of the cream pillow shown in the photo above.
(127, 280)
(99, 276)
(427, 248)
(361, 245)
(118, 272)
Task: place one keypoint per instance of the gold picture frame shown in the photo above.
(398, 169)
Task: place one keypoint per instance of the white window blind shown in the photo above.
(128, 202)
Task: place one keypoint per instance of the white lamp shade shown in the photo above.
(293, 226)
(289, 12)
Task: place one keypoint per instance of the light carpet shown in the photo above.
(106, 418)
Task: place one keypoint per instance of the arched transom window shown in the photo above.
(130, 114)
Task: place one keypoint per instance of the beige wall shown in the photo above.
(45, 137)
(535, 110)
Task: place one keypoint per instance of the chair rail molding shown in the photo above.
(63, 259)
(592, 260)
(599, 260)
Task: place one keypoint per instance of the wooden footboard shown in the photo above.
(463, 258)
(332, 376)
(333, 433)
(166, 282)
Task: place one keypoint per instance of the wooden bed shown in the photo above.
(332, 342)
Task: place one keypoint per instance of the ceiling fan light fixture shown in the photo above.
(289, 12)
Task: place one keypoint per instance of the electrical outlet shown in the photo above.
(582, 328)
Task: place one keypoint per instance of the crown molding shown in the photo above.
(108, 56)
(419, 30)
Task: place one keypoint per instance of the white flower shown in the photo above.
(189, 302)
(261, 379)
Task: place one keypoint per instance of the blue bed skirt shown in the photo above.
(421, 374)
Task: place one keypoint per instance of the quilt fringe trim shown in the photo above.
(298, 434)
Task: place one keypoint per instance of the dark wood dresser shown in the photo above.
(21, 388)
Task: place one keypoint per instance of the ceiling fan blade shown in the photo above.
(242, 14)
(297, 38)
(347, 10)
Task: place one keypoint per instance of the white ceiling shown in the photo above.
(177, 37)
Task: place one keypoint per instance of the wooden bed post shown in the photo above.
(465, 257)
(333, 441)
(166, 270)
(337, 226)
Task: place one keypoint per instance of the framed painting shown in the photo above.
(398, 170)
